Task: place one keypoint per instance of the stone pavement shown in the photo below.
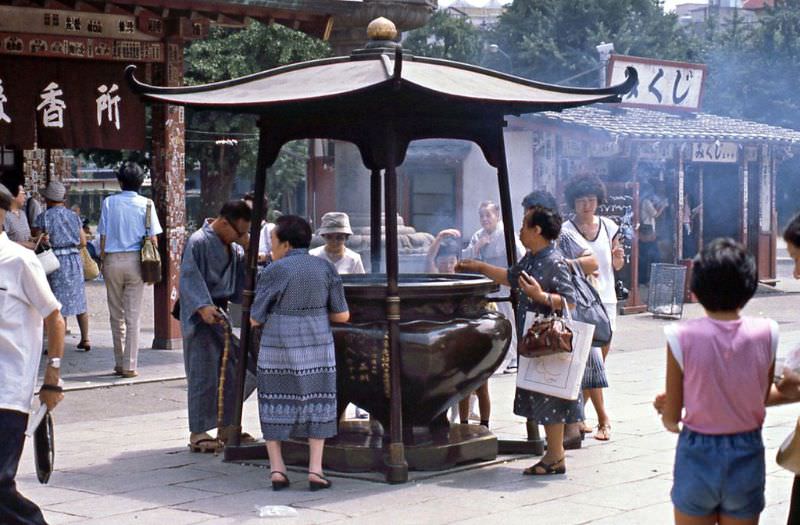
(122, 456)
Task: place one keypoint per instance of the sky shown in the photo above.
(669, 5)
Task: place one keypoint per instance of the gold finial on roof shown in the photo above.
(381, 29)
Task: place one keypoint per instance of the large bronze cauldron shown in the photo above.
(451, 342)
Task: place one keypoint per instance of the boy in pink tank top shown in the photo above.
(719, 373)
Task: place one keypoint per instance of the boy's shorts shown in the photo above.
(722, 474)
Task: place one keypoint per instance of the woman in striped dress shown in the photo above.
(297, 297)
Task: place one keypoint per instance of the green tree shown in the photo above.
(226, 54)
(447, 36)
(552, 40)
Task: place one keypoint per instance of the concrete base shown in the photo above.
(167, 344)
(360, 447)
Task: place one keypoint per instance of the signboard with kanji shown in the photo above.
(56, 104)
(719, 152)
(662, 84)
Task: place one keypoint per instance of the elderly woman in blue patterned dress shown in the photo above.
(297, 297)
(544, 278)
(65, 234)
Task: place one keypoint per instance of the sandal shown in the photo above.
(314, 486)
(603, 432)
(546, 469)
(206, 444)
(281, 483)
(85, 346)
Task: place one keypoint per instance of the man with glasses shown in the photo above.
(212, 274)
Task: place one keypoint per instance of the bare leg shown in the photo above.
(463, 410)
(730, 520)
(83, 324)
(604, 350)
(554, 434)
(685, 519)
(276, 460)
(315, 448)
(484, 401)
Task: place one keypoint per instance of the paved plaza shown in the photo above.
(122, 456)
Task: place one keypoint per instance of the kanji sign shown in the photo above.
(719, 152)
(68, 104)
(662, 84)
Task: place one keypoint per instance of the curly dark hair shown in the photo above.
(585, 186)
(792, 232)
(545, 218)
(294, 229)
(724, 276)
(540, 198)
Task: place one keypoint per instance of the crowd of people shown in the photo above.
(719, 370)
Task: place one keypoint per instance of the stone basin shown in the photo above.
(451, 341)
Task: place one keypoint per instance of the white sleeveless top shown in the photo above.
(601, 249)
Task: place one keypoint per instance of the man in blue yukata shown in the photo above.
(212, 275)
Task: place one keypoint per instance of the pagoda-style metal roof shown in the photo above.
(642, 123)
(360, 97)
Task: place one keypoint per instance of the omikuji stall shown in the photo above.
(401, 358)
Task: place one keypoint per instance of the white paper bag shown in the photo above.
(557, 375)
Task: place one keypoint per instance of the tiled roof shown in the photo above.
(646, 123)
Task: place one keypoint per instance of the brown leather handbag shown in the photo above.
(151, 260)
(546, 337)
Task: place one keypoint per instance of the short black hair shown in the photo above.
(130, 176)
(449, 246)
(585, 186)
(236, 210)
(541, 198)
(792, 232)
(547, 219)
(724, 276)
(294, 229)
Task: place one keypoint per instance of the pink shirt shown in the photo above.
(725, 371)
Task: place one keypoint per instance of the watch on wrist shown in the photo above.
(54, 362)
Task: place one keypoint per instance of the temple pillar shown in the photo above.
(168, 176)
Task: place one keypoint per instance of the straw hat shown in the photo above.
(335, 222)
(55, 192)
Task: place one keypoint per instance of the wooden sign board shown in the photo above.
(663, 84)
(29, 20)
(717, 152)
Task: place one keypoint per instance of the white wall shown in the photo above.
(480, 179)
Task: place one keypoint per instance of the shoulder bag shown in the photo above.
(90, 268)
(44, 252)
(589, 307)
(151, 260)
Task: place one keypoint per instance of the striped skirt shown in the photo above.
(595, 374)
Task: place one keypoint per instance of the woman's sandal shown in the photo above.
(314, 486)
(603, 432)
(546, 469)
(281, 483)
(206, 444)
(85, 346)
(586, 429)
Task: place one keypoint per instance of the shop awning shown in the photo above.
(651, 124)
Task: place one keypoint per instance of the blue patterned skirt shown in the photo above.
(595, 374)
(297, 378)
(67, 284)
(546, 409)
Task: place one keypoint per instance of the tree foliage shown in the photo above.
(552, 40)
(226, 54)
(447, 36)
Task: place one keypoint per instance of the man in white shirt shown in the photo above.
(336, 230)
(25, 300)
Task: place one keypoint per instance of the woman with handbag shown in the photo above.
(598, 235)
(543, 278)
(65, 233)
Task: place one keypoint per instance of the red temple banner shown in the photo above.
(68, 104)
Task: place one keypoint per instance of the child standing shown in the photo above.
(719, 369)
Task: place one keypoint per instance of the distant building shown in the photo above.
(723, 11)
(480, 16)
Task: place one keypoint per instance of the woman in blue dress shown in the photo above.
(544, 280)
(65, 234)
(297, 297)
